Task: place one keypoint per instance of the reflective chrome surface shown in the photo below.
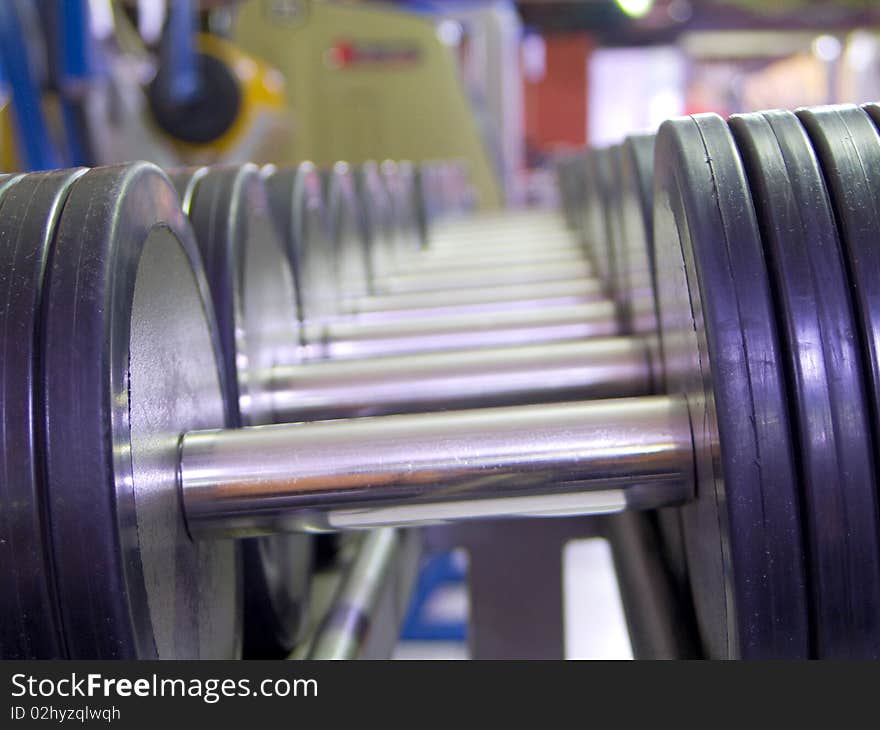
(267, 330)
(532, 294)
(466, 278)
(192, 591)
(573, 458)
(525, 223)
(370, 605)
(352, 265)
(378, 218)
(431, 260)
(636, 274)
(595, 368)
(298, 202)
(398, 179)
(350, 338)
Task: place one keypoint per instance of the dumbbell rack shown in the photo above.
(136, 352)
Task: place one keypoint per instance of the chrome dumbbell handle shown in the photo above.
(593, 368)
(573, 458)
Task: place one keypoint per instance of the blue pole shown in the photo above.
(74, 73)
(38, 152)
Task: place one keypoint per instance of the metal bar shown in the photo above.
(661, 624)
(424, 263)
(350, 338)
(432, 259)
(452, 281)
(489, 240)
(490, 252)
(595, 368)
(505, 223)
(370, 603)
(566, 459)
(549, 293)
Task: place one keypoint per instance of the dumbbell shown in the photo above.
(242, 222)
(254, 302)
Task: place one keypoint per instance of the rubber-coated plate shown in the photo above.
(848, 148)
(722, 353)
(636, 255)
(648, 547)
(252, 289)
(825, 378)
(616, 239)
(409, 203)
(297, 201)
(129, 355)
(851, 163)
(377, 218)
(635, 271)
(29, 619)
(570, 180)
(420, 206)
(251, 283)
(347, 233)
(596, 224)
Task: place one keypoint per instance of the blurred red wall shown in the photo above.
(556, 106)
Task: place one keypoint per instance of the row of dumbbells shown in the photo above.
(265, 322)
(744, 408)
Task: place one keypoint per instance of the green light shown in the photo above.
(636, 8)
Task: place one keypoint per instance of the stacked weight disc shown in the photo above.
(763, 262)
(795, 572)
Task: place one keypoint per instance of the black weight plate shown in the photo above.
(353, 265)
(252, 288)
(648, 547)
(570, 171)
(851, 163)
(250, 281)
(826, 382)
(635, 271)
(722, 353)
(419, 206)
(636, 255)
(597, 183)
(29, 619)
(297, 201)
(848, 147)
(397, 177)
(377, 217)
(616, 238)
(129, 360)
(7, 180)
